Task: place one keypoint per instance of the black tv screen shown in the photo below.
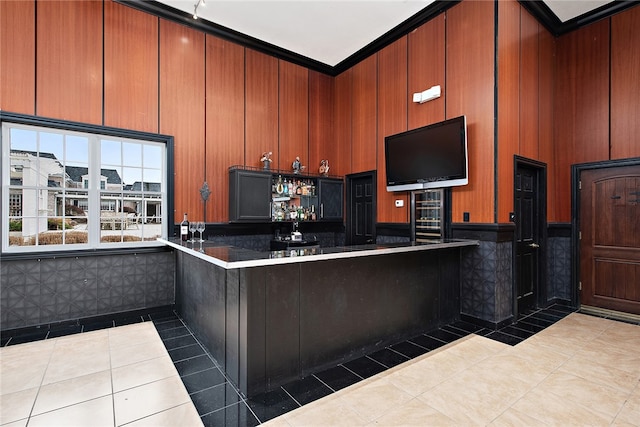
(433, 156)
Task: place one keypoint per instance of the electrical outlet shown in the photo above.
(399, 203)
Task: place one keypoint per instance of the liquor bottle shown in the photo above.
(279, 186)
(285, 187)
(298, 188)
(184, 229)
(313, 212)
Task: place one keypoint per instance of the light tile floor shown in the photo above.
(582, 370)
(110, 377)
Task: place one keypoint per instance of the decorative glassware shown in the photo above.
(200, 226)
(192, 229)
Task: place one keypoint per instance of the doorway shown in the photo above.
(530, 213)
(609, 242)
(361, 208)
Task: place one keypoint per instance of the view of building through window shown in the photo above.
(66, 189)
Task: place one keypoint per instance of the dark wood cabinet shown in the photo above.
(249, 196)
(330, 195)
(254, 196)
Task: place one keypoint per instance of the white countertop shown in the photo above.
(230, 257)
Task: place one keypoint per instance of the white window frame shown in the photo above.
(94, 135)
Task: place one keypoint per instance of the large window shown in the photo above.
(67, 189)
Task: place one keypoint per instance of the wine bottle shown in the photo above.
(184, 229)
(279, 186)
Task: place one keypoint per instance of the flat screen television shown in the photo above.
(433, 156)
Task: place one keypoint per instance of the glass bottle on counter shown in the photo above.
(184, 228)
(285, 187)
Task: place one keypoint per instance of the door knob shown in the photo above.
(534, 245)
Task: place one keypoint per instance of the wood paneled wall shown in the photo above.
(525, 90)
(342, 112)
(322, 139)
(131, 68)
(392, 118)
(104, 63)
(182, 110)
(508, 139)
(69, 60)
(581, 105)
(225, 104)
(625, 84)
(470, 85)
(293, 115)
(17, 56)
(364, 97)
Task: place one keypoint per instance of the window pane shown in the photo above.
(131, 154)
(110, 152)
(53, 177)
(112, 177)
(132, 176)
(77, 151)
(152, 156)
(23, 140)
(152, 180)
(51, 146)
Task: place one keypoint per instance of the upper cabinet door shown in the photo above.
(330, 193)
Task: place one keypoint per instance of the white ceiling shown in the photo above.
(569, 9)
(329, 31)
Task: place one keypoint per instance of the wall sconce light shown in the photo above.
(432, 93)
(196, 6)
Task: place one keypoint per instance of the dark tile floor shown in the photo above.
(219, 403)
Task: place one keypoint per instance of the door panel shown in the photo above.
(610, 244)
(360, 220)
(528, 199)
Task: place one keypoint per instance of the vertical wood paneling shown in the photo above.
(425, 69)
(529, 87)
(225, 121)
(261, 117)
(322, 140)
(625, 84)
(130, 68)
(392, 118)
(546, 92)
(293, 115)
(182, 112)
(340, 160)
(363, 119)
(470, 83)
(509, 100)
(69, 60)
(17, 53)
(581, 105)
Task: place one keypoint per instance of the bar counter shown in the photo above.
(231, 257)
(269, 318)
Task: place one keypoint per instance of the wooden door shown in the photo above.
(529, 200)
(361, 202)
(610, 238)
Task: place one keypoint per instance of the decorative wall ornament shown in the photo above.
(266, 160)
(205, 192)
(297, 166)
(324, 167)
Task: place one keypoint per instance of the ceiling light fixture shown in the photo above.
(195, 8)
